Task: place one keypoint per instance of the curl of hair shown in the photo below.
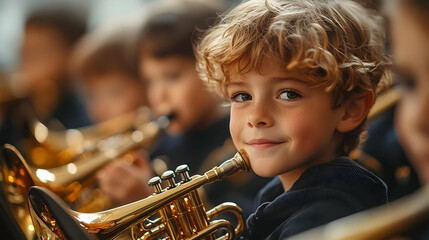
(337, 44)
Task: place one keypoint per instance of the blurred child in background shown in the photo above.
(49, 37)
(106, 64)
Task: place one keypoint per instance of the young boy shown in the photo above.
(49, 37)
(301, 77)
(106, 63)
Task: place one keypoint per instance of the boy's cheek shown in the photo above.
(235, 130)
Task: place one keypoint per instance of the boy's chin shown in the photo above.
(263, 171)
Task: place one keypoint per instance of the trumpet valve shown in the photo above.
(155, 182)
(169, 177)
(183, 171)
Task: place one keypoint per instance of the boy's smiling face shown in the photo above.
(282, 122)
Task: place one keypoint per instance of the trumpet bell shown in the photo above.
(43, 205)
(16, 179)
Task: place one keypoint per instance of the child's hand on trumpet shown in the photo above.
(125, 179)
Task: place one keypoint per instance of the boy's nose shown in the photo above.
(260, 117)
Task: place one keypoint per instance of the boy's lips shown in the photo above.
(261, 143)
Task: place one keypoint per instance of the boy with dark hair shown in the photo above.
(50, 36)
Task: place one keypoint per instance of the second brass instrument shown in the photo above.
(393, 222)
(183, 215)
(66, 181)
(49, 148)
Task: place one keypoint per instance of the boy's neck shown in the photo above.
(327, 155)
(289, 178)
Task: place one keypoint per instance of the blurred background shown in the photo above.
(97, 64)
(12, 16)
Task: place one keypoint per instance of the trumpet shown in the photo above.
(67, 180)
(182, 214)
(49, 148)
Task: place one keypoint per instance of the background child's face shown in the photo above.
(112, 94)
(282, 122)
(44, 57)
(173, 85)
(411, 56)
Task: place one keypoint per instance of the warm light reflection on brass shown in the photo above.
(16, 180)
(51, 148)
(182, 214)
(67, 181)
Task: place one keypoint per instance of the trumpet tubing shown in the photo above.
(16, 180)
(183, 215)
(49, 148)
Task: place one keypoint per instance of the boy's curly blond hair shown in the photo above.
(337, 44)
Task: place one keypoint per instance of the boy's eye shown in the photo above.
(241, 97)
(289, 95)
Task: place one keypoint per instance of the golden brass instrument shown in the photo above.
(182, 214)
(16, 179)
(379, 223)
(66, 181)
(47, 148)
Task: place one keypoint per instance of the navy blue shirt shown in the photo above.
(322, 194)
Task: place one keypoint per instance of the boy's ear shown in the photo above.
(355, 111)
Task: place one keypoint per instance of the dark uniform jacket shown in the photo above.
(322, 194)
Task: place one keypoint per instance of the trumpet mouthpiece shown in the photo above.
(246, 160)
(164, 121)
(240, 162)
